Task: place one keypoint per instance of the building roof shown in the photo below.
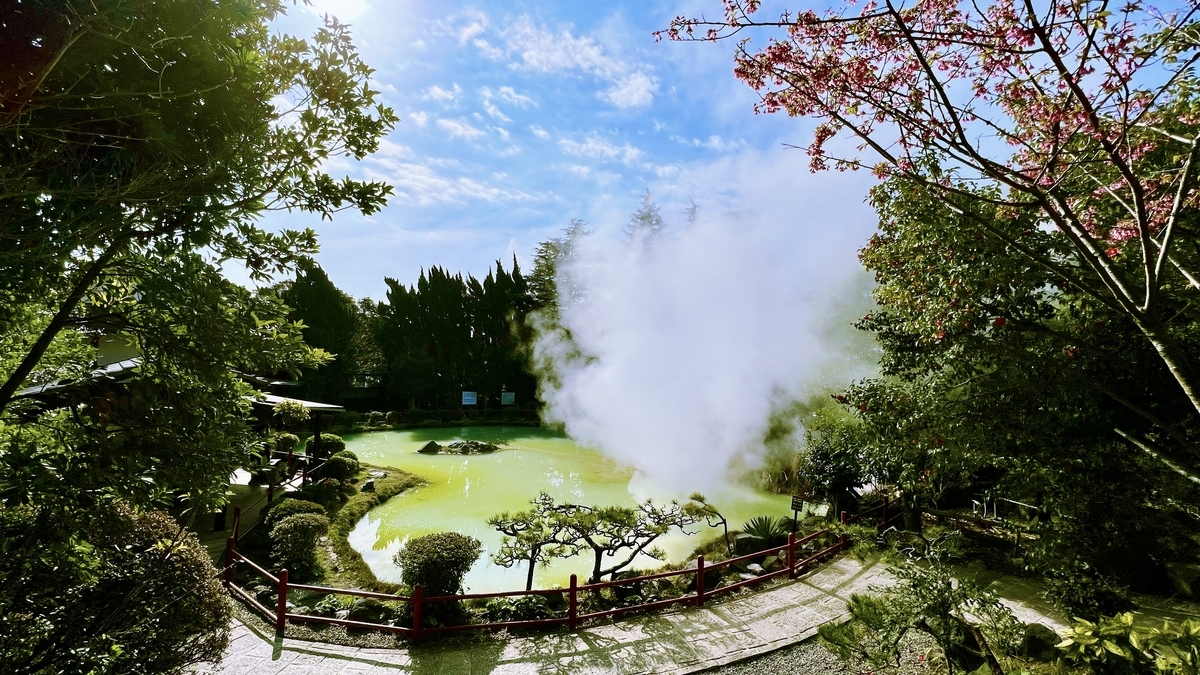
(273, 400)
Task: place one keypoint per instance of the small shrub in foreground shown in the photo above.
(439, 562)
(294, 545)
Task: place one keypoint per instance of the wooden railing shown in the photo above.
(792, 568)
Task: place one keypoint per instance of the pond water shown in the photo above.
(464, 491)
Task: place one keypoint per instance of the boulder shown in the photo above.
(369, 485)
(369, 610)
(376, 473)
(1038, 643)
(755, 569)
(430, 448)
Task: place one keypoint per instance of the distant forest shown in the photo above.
(421, 347)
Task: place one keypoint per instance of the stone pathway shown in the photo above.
(681, 641)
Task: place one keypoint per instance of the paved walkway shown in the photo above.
(681, 641)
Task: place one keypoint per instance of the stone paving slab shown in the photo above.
(676, 642)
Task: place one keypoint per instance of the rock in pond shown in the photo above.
(430, 448)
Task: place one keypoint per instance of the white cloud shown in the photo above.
(598, 148)
(418, 118)
(422, 185)
(438, 94)
(489, 50)
(503, 132)
(509, 94)
(631, 91)
(713, 142)
(471, 30)
(543, 51)
(538, 131)
(494, 111)
(580, 170)
(460, 129)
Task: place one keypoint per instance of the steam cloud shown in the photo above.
(684, 344)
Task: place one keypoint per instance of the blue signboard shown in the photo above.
(468, 398)
(508, 398)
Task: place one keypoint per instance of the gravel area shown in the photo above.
(812, 658)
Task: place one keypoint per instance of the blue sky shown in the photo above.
(516, 117)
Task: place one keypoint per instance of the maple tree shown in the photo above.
(1077, 118)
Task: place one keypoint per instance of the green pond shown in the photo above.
(464, 491)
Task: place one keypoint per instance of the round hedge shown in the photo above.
(290, 507)
(328, 445)
(340, 467)
(346, 453)
(438, 561)
(294, 544)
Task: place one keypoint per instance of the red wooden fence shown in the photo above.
(280, 616)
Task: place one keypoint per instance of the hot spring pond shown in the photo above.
(464, 491)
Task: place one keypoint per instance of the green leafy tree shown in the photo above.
(622, 533)
(646, 223)
(139, 141)
(144, 596)
(970, 625)
(330, 319)
(534, 537)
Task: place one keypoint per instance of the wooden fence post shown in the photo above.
(844, 538)
(270, 493)
(885, 508)
(281, 606)
(230, 546)
(237, 521)
(290, 457)
(700, 581)
(573, 606)
(417, 596)
(791, 555)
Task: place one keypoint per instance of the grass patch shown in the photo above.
(345, 567)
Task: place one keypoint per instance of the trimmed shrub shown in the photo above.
(289, 507)
(328, 445)
(345, 453)
(285, 441)
(439, 562)
(326, 492)
(395, 417)
(340, 467)
(449, 415)
(510, 413)
(349, 418)
(375, 417)
(294, 545)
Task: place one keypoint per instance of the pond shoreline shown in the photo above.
(342, 563)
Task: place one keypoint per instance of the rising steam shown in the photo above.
(681, 345)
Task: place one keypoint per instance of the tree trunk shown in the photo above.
(39, 347)
(533, 558)
(596, 573)
(1171, 355)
